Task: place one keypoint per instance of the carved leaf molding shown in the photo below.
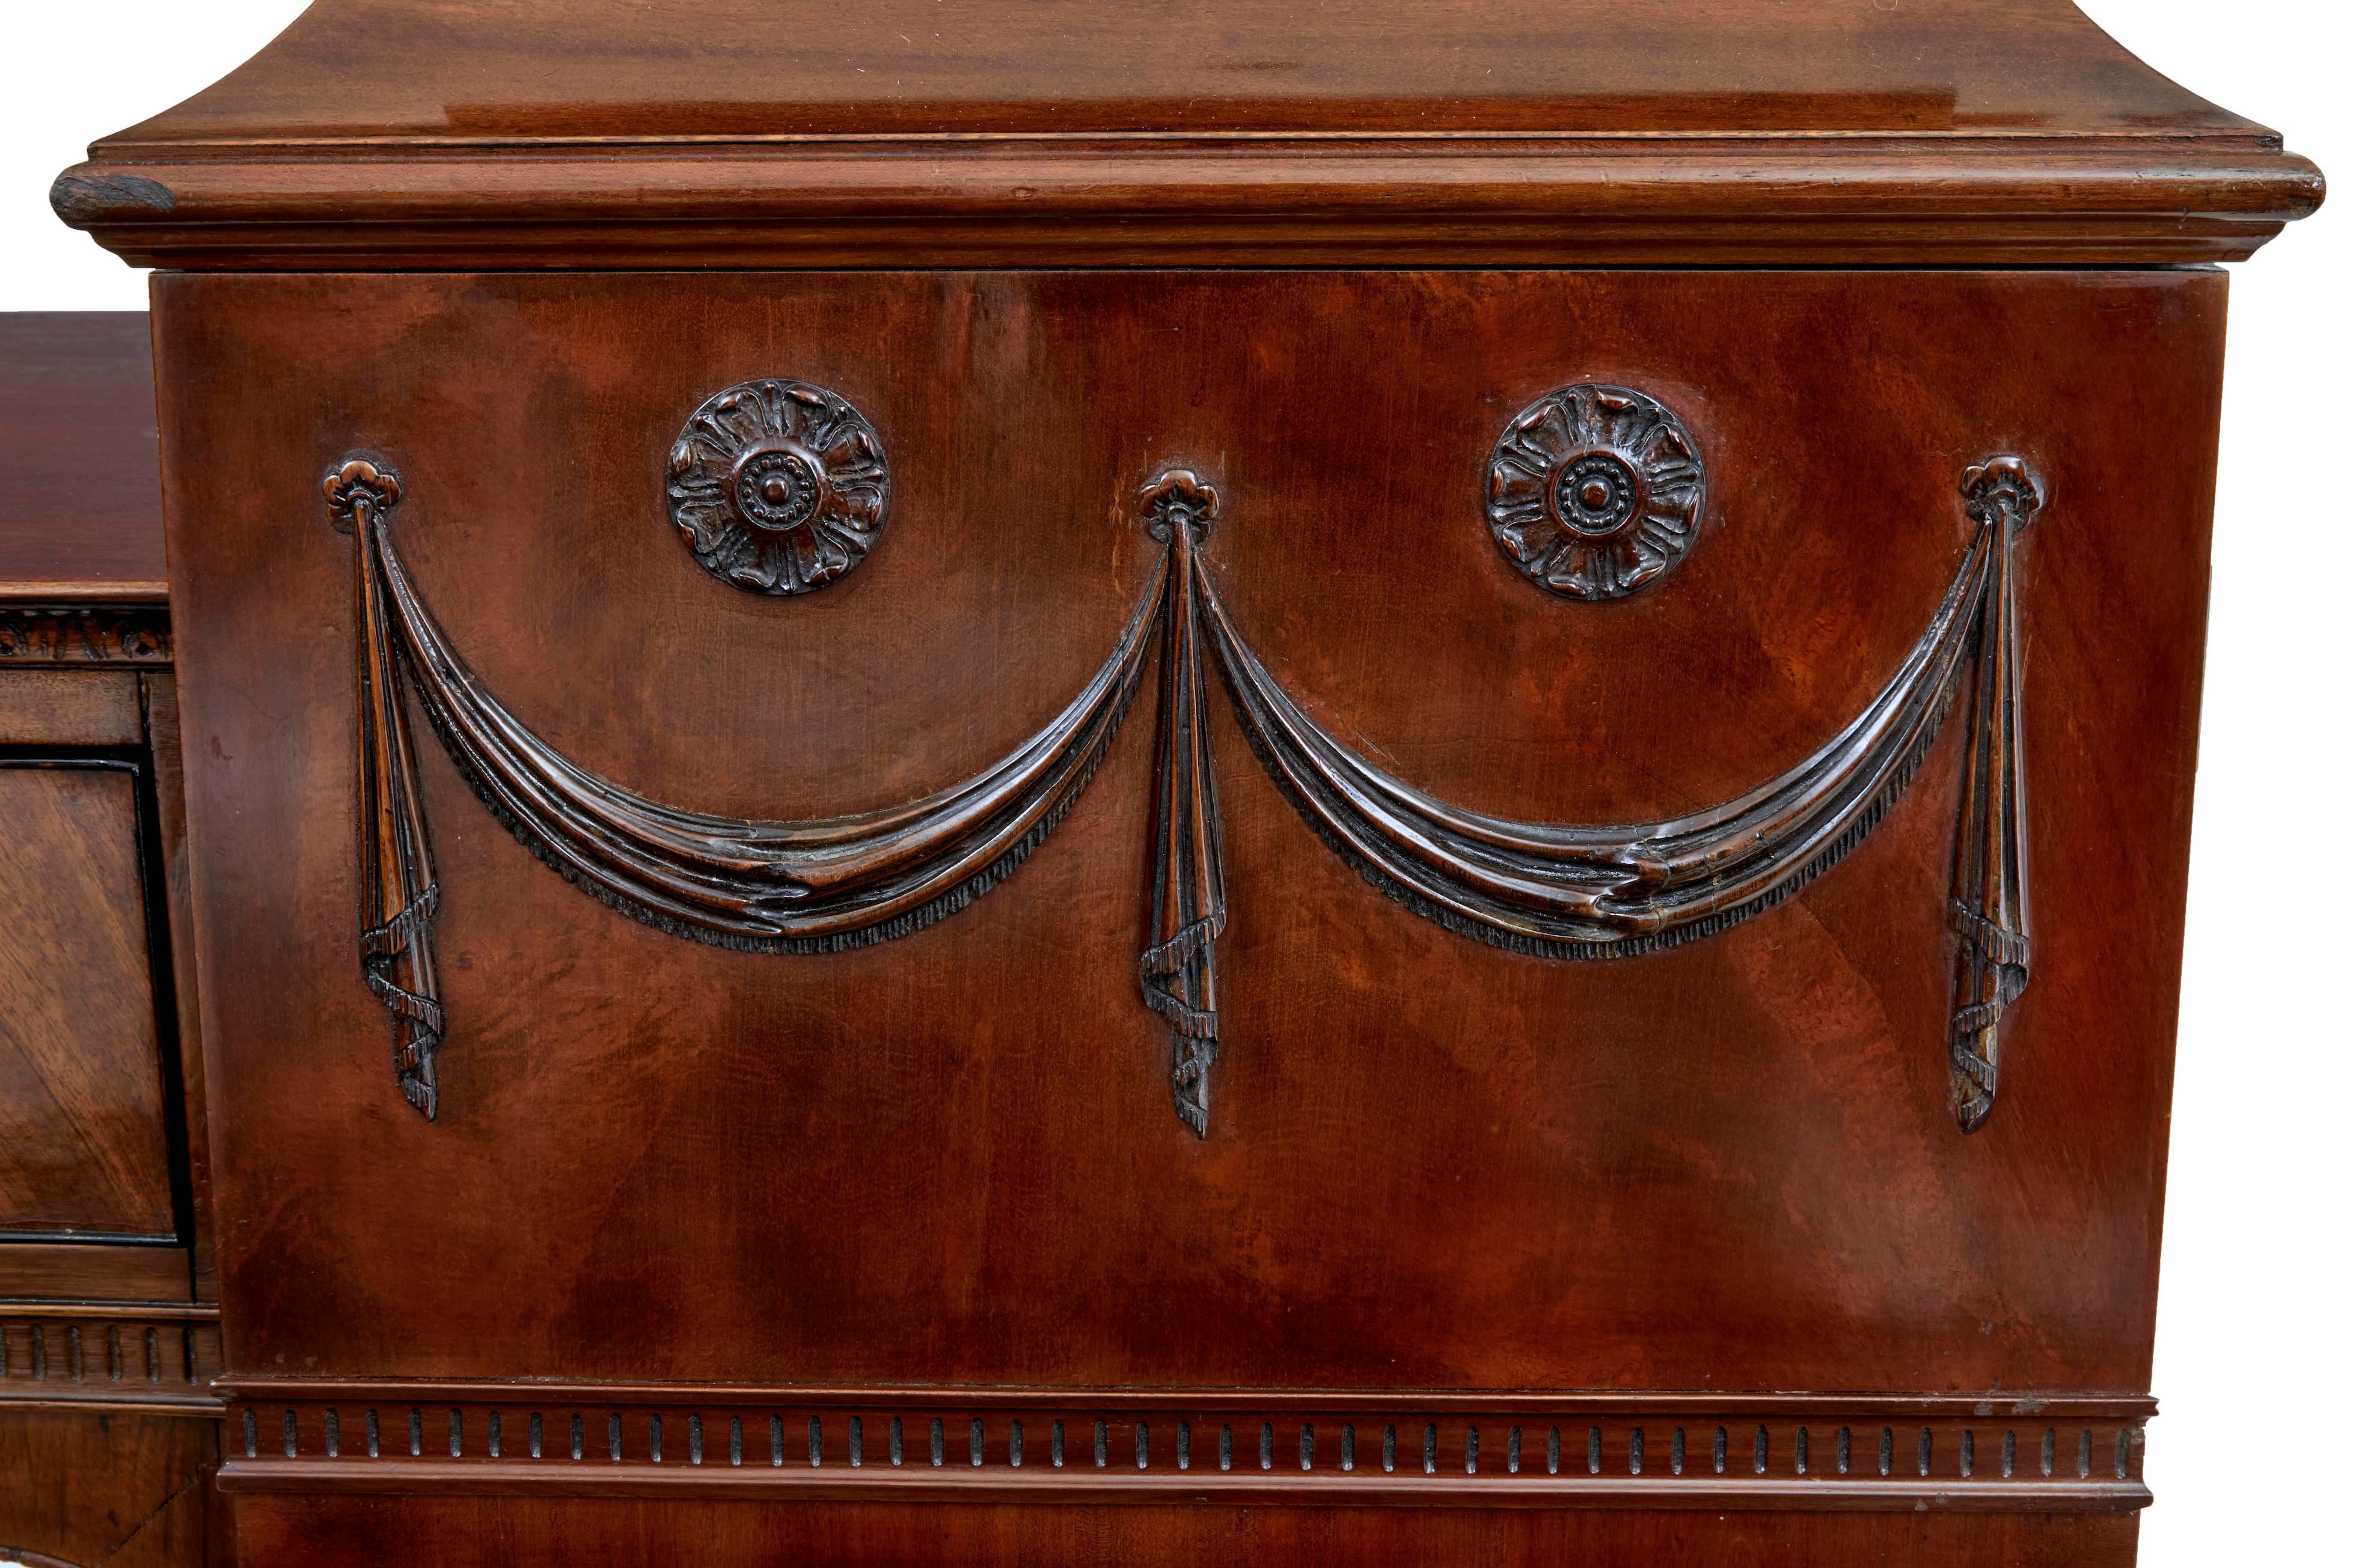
(1560, 892)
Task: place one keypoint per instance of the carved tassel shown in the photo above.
(398, 894)
(1178, 968)
(1990, 881)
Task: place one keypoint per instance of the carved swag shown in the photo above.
(1553, 890)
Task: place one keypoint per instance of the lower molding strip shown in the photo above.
(154, 1358)
(2069, 1455)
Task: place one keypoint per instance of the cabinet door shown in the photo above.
(83, 1152)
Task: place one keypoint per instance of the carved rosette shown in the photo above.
(779, 487)
(1595, 490)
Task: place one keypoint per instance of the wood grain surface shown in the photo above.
(82, 515)
(349, 1531)
(69, 707)
(949, 1159)
(127, 1491)
(86, 1271)
(1186, 133)
(895, 1254)
(84, 1150)
(606, 70)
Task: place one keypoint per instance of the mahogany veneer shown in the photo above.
(987, 782)
(905, 132)
(109, 1337)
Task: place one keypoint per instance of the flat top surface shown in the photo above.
(733, 68)
(440, 135)
(81, 510)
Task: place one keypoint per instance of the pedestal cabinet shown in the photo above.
(1002, 783)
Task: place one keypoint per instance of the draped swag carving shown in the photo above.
(1551, 891)
(398, 894)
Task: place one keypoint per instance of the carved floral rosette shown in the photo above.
(779, 487)
(1594, 490)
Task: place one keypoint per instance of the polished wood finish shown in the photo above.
(88, 1488)
(1035, 1217)
(79, 1271)
(1019, 1448)
(112, 892)
(81, 520)
(69, 707)
(534, 1532)
(170, 877)
(383, 133)
(109, 1341)
(85, 1152)
(1603, 1161)
(133, 1357)
(90, 753)
(1587, 892)
(601, 71)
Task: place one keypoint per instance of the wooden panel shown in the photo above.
(94, 1271)
(951, 1158)
(69, 708)
(85, 1150)
(81, 511)
(516, 1533)
(123, 1491)
(171, 843)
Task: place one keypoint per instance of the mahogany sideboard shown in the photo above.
(996, 782)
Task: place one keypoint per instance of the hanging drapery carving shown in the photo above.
(759, 886)
(1582, 893)
(398, 895)
(1180, 965)
(1989, 880)
(1571, 891)
(1552, 890)
(763, 887)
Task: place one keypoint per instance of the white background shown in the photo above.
(2254, 1339)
